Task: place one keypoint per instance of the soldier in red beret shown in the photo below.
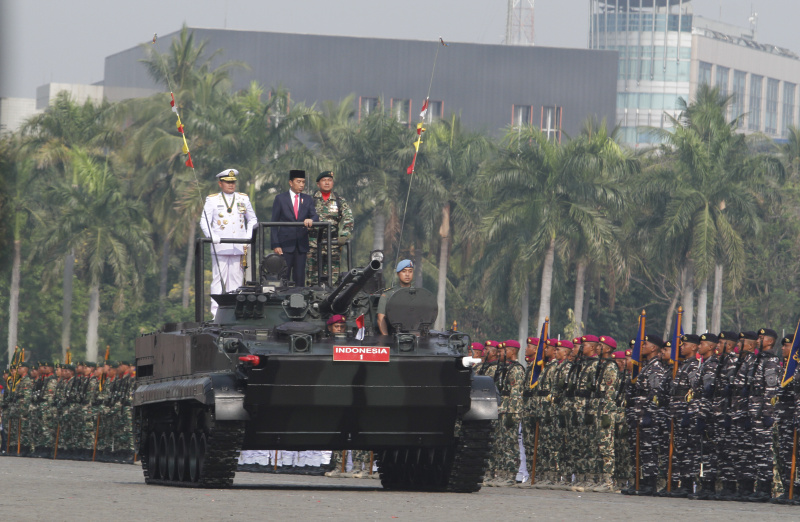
(609, 414)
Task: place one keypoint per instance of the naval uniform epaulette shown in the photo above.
(213, 195)
(242, 194)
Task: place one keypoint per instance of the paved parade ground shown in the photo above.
(38, 489)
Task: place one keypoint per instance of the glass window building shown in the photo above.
(666, 52)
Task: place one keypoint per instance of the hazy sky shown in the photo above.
(66, 41)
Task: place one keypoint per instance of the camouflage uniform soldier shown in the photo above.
(43, 403)
(585, 414)
(488, 368)
(623, 466)
(538, 411)
(90, 399)
(124, 432)
(509, 378)
(23, 395)
(682, 420)
(645, 392)
(764, 385)
(564, 352)
(607, 379)
(743, 454)
(330, 207)
(701, 408)
(569, 415)
(722, 414)
(785, 415)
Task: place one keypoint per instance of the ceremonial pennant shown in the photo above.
(440, 39)
(185, 145)
(420, 130)
(155, 35)
(189, 161)
(424, 109)
(677, 332)
(794, 358)
(538, 361)
(636, 354)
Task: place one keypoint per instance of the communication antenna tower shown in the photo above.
(519, 24)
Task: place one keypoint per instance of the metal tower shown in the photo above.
(519, 24)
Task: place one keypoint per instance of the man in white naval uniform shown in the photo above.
(230, 215)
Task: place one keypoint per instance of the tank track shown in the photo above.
(218, 462)
(458, 468)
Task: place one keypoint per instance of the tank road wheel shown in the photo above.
(193, 465)
(152, 456)
(172, 457)
(162, 456)
(180, 458)
(202, 447)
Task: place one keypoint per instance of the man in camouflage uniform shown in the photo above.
(568, 415)
(700, 408)
(645, 393)
(330, 207)
(509, 377)
(741, 431)
(43, 410)
(623, 465)
(585, 416)
(682, 420)
(606, 411)
(90, 400)
(785, 415)
(559, 435)
(764, 385)
(538, 412)
(722, 405)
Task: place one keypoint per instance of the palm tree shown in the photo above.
(538, 203)
(598, 155)
(23, 205)
(711, 191)
(50, 137)
(106, 229)
(449, 183)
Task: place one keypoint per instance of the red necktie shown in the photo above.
(296, 204)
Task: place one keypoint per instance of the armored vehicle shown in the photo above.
(266, 374)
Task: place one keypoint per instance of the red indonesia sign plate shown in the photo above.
(361, 353)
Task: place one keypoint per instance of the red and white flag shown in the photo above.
(424, 109)
(360, 324)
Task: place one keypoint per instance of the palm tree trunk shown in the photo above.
(716, 305)
(671, 312)
(66, 304)
(444, 255)
(687, 280)
(188, 267)
(93, 321)
(379, 225)
(13, 301)
(580, 290)
(163, 276)
(547, 284)
(524, 313)
(702, 307)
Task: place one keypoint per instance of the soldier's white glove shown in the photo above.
(215, 238)
(249, 231)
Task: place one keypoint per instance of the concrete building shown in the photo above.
(77, 91)
(665, 52)
(489, 86)
(14, 112)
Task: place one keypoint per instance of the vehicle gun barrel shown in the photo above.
(339, 300)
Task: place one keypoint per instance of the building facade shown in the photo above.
(665, 53)
(489, 86)
(14, 112)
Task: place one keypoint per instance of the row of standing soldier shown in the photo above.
(78, 411)
(594, 422)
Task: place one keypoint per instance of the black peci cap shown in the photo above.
(297, 174)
